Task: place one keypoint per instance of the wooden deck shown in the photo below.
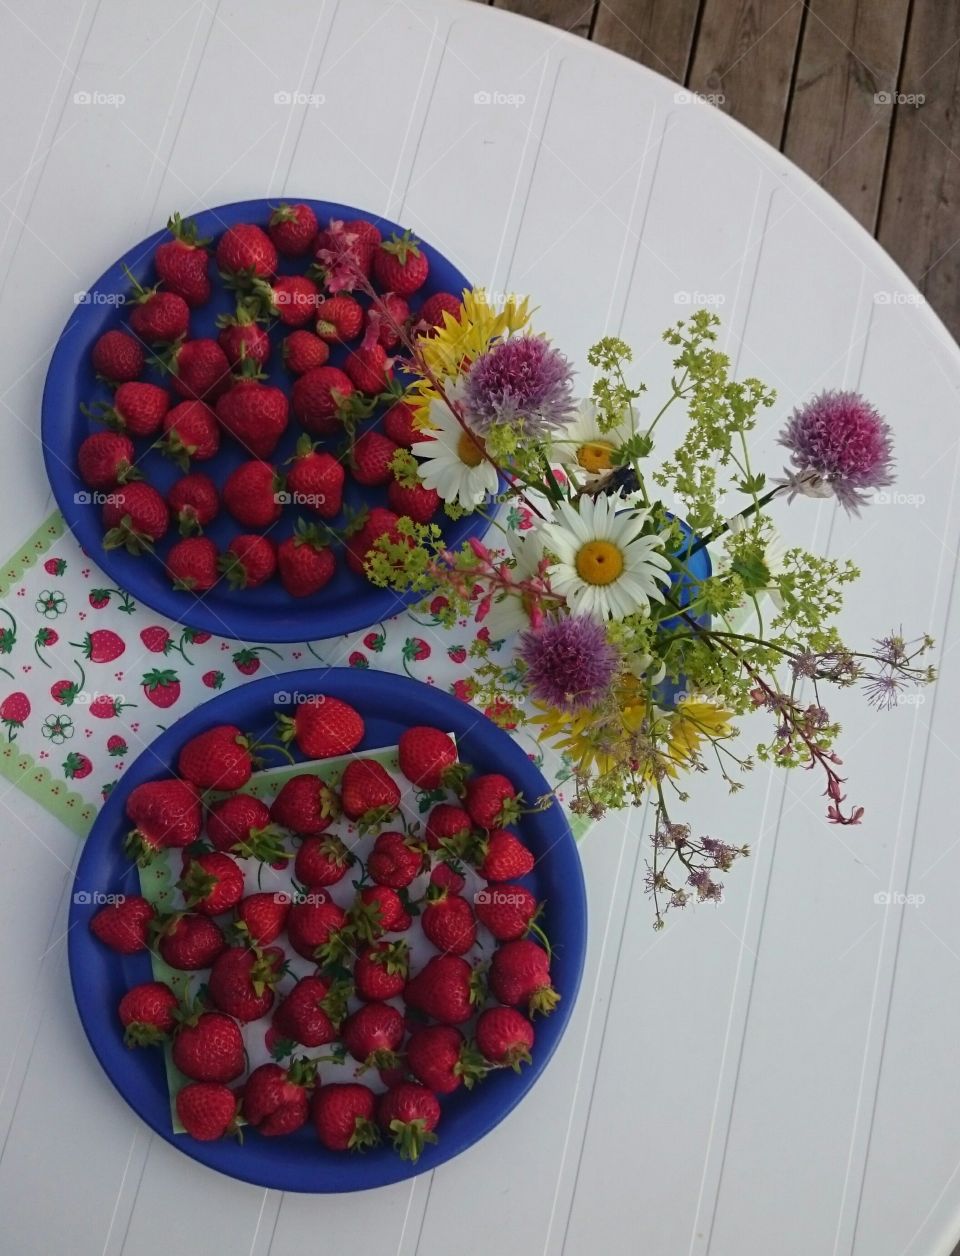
(864, 95)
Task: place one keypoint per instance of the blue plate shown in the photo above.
(348, 602)
(100, 976)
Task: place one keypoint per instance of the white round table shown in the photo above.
(774, 1075)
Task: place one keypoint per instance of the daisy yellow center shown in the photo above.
(595, 455)
(599, 562)
(469, 451)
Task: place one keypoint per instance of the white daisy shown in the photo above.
(510, 613)
(453, 462)
(584, 447)
(605, 566)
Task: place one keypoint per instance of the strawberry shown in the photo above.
(506, 910)
(117, 357)
(378, 909)
(448, 922)
(63, 692)
(276, 1100)
(192, 433)
(379, 522)
(503, 857)
(400, 265)
(242, 338)
(263, 916)
(159, 317)
(447, 877)
(156, 639)
(395, 861)
(106, 707)
(292, 228)
(504, 1037)
(116, 746)
(251, 494)
(446, 989)
(255, 414)
(213, 679)
(161, 687)
(293, 299)
(447, 827)
(319, 397)
(14, 711)
(340, 319)
(199, 369)
(305, 563)
(387, 319)
(164, 813)
(439, 1057)
(343, 1116)
(308, 1013)
(76, 766)
(373, 1034)
(194, 501)
(241, 826)
(303, 351)
(315, 480)
(370, 458)
(135, 516)
(314, 924)
(305, 804)
(211, 883)
(182, 263)
(491, 800)
(520, 973)
(321, 861)
(409, 1113)
(416, 501)
(207, 1110)
(146, 1013)
(219, 758)
(188, 942)
(101, 646)
(208, 1047)
(106, 459)
(436, 305)
(368, 793)
(246, 251)
(138, 409)
(124, 926)
(369, 369)
(323, 727)
(398, 425)
(192, 564)
(380, 971)
(427, 757)
(242, 981)
(345, 252)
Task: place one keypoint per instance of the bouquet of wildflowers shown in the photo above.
(645, 603)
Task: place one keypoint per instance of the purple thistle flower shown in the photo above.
(838, 443)
(521, 380)
(570, 662)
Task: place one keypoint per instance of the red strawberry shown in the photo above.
(189, 943)
(76, 766)
(242, 338)
(446, 876)
(159, 317)
(379, 522)
(438, 304)
(308, 1013)
(305, 804)
(321, 861)
(192, 564)
(164, 813)
(63, 692)
(315, 480)
(182, 263)
(400, 265)
(305, 563)
(398, 425)
(138, 409)
(505, 1037)
(409, 1114)
(370, 369)
(146, 1013)
(276, 1100)
(116, 746)
(323, 727)
(207, 1110)
(213, 680)
(212, 883)
(438, 1056)
(368, 793)
(135, 516)
(491, 800)
(373, 1034)
(293, 299)
(106, 459)
(446, 988)
(380, 971)
(376, 910)
(264, 916)
(303, 351)
(343, 1116)
(194, 501)
(370, 458)
(241, 826)
(245, 251)
(192, 433)
(249, 561)
(314, 925)
(395, 861)
(387, 319)
(345, 251)
(242, 981)
(251, 494)
(416, 501)
(339, 318)
(319, 397)
(448, 922)
(208, 1047)
(117, 356)
(427, 757)
(199, 369)
(161, 687)
(520, 973)
(503, 857)
(101, 646)
(156, 639)
(124, 926)
(506, 910)
(255, 414)
(219, 758)
(292, 228)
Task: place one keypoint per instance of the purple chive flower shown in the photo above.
(570, 662)
(522, 380)
(838, 443)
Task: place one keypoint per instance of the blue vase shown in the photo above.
(683, 586)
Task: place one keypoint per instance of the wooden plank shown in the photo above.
(575, 16)
(744, 60)
(841, 112)
(657, 35)
(921, 196)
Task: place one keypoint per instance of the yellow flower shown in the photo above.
(693, 720)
